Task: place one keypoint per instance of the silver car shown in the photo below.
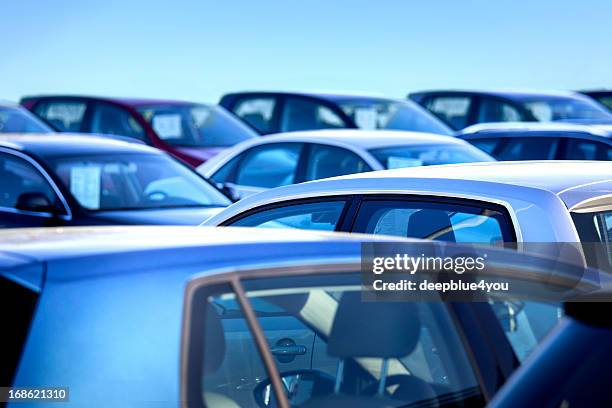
(489, 203)
(295, 157)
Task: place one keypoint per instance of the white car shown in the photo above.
(289, 158)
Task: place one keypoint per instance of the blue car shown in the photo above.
(194, 317)
(63, 179)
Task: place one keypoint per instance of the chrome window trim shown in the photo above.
(276, 200)
(68, 213)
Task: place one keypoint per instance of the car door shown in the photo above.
(64, 114)
(261, 167)
(27, 196)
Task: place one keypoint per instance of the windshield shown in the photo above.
(563, 108)
(17, 120)
(384, 114)
(191, 125)
(134, 181)
(421, 155)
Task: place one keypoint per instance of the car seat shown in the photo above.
(431, 224)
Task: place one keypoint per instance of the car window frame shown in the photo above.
(66, 215)
(467, 318)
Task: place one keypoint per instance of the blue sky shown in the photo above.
(198, 50)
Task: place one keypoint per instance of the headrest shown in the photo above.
(214, 341)
(431, 224)
(373, 328)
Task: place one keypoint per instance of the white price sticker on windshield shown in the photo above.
(168, 126)
(85, 182)
(366, 118)
(394, 162)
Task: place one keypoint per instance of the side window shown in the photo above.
(268, 166)
(20, 178)
(66, 116)
(323, 216)
(429, 220)
(453, 109)
(534, 148)
(579, 149)
(314, 324)
(114, 120)
(257, 112)
(304, 114)
(492, 110)
(330, 161)
(18, 305)
(486, 145)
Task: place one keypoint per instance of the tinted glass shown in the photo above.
(596, 227)
(317, 321)
(564, 108)
(304, 114)
(385, 114)
(437, 221)
(486, 145)
(66, 116)
(330, 161)
(134, 181)
(453, 109)
(257, 112)
(605, 100)
(579, 149)
(191, 125)
(535, 148)
(18, 177)
(323, 215)
(492, 110)
(427, 155)
(114, 120)
(18, 120)
(18, 306)
(270, 165)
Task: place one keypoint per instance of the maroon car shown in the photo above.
(192, 132)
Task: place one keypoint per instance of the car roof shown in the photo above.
(573, 183)
(152, 246)
(67, 144)
(365, 139)
(329, 96)
(133, 102)
(526, 127)
(516, 95)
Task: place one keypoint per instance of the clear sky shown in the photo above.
(198, 50)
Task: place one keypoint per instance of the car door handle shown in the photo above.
(289, 350)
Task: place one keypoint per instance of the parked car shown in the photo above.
(491, 203)
(66, 179)
(603, 96)
(460, 109)
(171, 316)
(571, 368)
(541, 141)
(275, 112)
(192, 132)
(15, 119)
(295, 157)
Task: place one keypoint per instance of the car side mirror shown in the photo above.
(230, 191)
(35, 202)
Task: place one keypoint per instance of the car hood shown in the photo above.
(167, 216)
